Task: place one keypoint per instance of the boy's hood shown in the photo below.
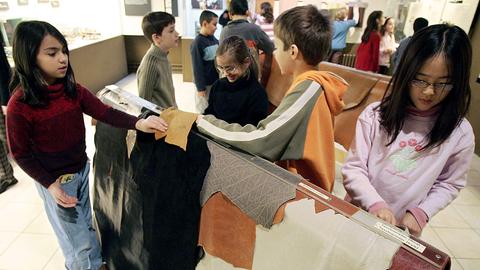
(333, 85)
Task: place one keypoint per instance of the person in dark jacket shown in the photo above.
(238, 97)
(418, 24)
(257, 40)
(203, 50)
(224, 18)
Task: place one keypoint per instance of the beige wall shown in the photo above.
(137, 46)
(474, 116)
(258, 3)
(187, 68)
(100, 64)
(287, 4)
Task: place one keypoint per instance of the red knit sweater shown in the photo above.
(50, 141)
(368, 53)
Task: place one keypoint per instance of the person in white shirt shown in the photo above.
(387, 45)
(265, 19)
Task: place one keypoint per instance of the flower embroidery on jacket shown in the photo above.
(405, 159)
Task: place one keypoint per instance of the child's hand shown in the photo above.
(385, 214)
(411, 223)
(60, 196)
(199, 117)
(151, 124)
(202, 93)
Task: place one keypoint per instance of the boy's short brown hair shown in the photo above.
(155, 22)
(238, 7)
(306, 27)
(207, 16)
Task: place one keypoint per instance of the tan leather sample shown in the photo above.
(179, 125)
(234, 244)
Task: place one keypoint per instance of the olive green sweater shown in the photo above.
(154, 78)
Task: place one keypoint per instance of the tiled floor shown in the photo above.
(456, 229)
(27, 240)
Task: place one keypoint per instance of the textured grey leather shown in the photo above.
(257, 186)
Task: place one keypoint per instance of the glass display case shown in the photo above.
(7, 27)
(70, 17)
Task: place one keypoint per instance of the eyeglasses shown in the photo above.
(227, 69)
(437, 87)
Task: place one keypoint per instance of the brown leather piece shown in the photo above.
(339, 205)
(431, 258)
(226, 232)
(319, 207)
(405, 260)
(359, 84)
(179, 125)
(364, 88)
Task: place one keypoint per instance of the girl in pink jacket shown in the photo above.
(411, 152)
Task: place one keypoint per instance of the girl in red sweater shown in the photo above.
(46, 135)
(369, 50)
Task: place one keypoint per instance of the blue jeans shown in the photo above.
(73, 226)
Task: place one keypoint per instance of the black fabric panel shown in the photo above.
(148, 210)
(170, 181)
(117, 202)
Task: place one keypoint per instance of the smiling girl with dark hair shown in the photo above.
(238, 97)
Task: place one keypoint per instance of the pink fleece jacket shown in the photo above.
(400, 176)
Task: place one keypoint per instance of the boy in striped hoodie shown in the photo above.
(299, 133)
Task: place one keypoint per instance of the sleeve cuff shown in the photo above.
(378, 205)
(420, 216)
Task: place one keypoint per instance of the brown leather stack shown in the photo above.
(365, 88)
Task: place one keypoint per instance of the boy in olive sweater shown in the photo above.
(154, 75)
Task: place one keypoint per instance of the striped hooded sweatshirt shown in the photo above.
(299, 132)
